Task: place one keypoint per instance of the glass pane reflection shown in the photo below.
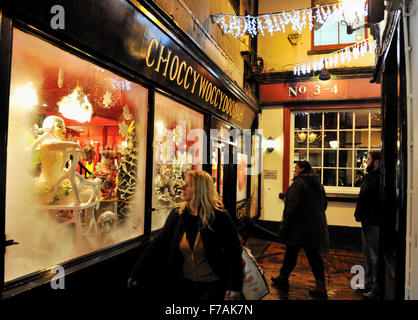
(315, 139)
(362, 119)
(346, 120)
(301, 139)
(361, 139)
(300, 155)
(330, 158)
(345, 158)
(315, 120)
(315, 158)
(375, 139)
(330, 177)
(346, 139)
(345, 178)
(301, 121)
(330, 120)
(361, 159)
(330, 136)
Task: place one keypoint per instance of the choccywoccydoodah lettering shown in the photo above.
(180, 72)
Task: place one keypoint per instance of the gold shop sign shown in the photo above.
(160, 59)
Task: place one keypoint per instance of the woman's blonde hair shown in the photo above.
(205, 196)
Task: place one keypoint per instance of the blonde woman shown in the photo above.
(201, 247)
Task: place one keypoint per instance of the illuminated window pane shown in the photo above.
(62, 107)
(301, 139)
(361, 139)
(375, 139)
(326, 34)
(300, 155)
(361, 159)
(176, 150)
(362, 119)
(315, 158)
(315, 139)
(346, 139)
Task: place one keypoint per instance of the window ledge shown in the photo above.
(322, 51)
(342, 197)
(39, 278)
(334, 197)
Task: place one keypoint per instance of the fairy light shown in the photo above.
(336, 58)
(274, 22)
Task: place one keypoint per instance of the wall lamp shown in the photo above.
(324, 75)
(270, 144)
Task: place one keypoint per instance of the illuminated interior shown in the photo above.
(178, 147)
(98, 127)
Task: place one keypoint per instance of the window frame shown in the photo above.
(332, 47)
(338, 190)
(86, 259)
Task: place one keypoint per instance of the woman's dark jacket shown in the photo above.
(368, 202)
(222, 249)
(304, 222)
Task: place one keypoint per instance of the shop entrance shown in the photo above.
(222, 167)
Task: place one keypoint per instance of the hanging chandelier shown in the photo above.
(275, 22)
(76, 106)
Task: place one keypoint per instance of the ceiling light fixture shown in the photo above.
(76, 106)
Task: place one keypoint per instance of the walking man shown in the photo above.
(368, 213)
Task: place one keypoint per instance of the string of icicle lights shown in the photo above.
(347, 54)
(274, 22)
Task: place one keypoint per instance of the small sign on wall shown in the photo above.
(270, 174)
(293, 38)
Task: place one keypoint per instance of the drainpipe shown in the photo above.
(410, 143)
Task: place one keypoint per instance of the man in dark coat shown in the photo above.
(304, 225)
(368, 213)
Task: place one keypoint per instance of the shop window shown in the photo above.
(178, 146)
(242, 176)
(242, 168)
(336, 143)
(334, 36)
(75, 157)
(220, 144)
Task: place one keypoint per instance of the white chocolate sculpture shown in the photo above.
(57, 185)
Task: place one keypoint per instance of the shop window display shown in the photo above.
(178, 147)
(75, 157)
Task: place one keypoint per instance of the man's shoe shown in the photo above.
(320, 292)
(281, 283)
(361, 292)
(370, 296)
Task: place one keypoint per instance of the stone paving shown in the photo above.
(337, 263)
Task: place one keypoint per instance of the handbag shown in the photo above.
(254, 285)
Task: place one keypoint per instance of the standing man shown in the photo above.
(368, 213)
